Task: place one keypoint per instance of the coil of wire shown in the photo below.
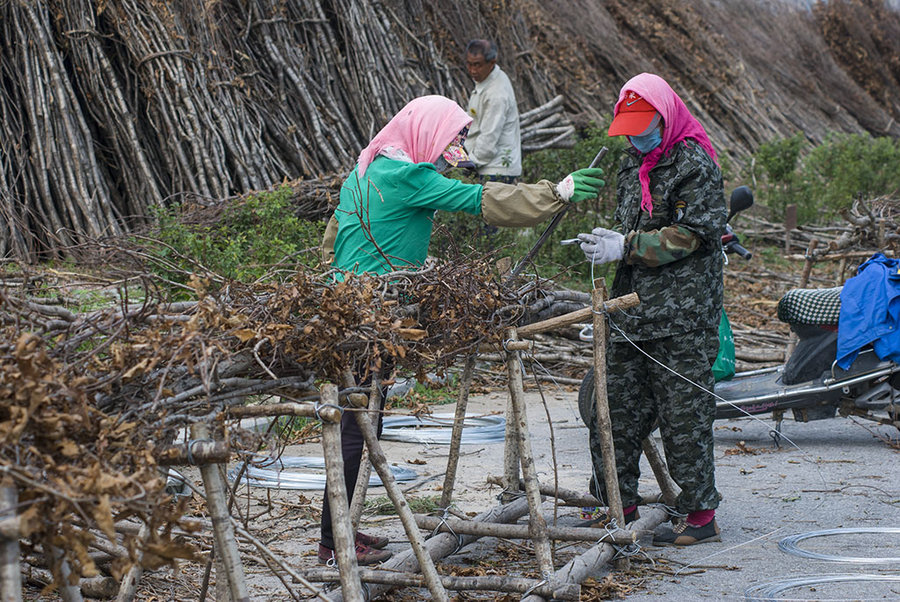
(437, 429)
(259, 475)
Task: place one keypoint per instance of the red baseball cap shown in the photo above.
(634, 117)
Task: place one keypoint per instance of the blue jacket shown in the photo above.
(870, 311)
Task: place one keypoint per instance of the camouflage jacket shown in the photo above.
(673, 260)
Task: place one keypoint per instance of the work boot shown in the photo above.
(373, 541)
(600, 521)
(364, 555)
(684, 533)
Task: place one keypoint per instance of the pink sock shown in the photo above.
(700, 517)
(629, 509)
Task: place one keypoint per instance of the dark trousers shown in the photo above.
(351, 450)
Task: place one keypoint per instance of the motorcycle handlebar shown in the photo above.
(735, 247)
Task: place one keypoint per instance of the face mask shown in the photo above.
(648, 142)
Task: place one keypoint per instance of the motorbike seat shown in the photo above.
(810, 306)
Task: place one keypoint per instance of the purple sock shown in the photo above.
(700, 517)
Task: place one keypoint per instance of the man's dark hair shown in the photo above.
(484, 48)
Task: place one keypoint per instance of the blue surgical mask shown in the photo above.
(647, 142)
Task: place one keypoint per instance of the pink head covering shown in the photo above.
(679, 125)
(422, 130)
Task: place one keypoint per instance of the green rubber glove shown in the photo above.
(581, 185)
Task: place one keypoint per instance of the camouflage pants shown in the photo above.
(643, 395)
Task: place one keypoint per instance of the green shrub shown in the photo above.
(253, 236)
(823, 180)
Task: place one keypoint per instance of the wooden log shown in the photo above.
(611, 306)
(380, 463)
(444, 544)
(10, 572)
(226, 546)
(308, 410)
(459, 418)
(455, 525)
(536, 522)
(571, 497)
(592, 561)
(101, 586)
(344, 536)
(491, 583)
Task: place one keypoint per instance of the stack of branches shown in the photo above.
(92, 399)
(546, 126)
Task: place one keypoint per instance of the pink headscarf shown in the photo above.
(422, 130)
(679, 124)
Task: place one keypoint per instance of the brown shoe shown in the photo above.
(685, 534)
(364, 555)
(373, 541)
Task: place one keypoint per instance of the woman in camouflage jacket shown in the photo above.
(667, 247)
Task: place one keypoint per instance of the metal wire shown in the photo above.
(789, 545)
(280, 479)
(766, 592)
(437, 429)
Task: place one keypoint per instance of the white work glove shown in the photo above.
(602, 245)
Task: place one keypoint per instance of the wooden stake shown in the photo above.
(510, 456)
(459, 419)
(532, 488)
(10, 572)
(661, 471)
(344, 536)
(379, 461)
(804, 281)
(361, 488)
(128, 587)
(226, 546)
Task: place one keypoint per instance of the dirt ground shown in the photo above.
(826, 475)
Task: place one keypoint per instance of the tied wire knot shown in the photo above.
(190, 449)
(541, 583)
(320, 406)
(443, 523)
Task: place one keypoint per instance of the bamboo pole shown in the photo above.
(493, 583)
(538, 526)
(444, 544)
(226, 546)
(379, 461)
(10, 572)
(557, 533)
(344, 537)
(459, 419)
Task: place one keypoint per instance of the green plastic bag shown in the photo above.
(723, 367)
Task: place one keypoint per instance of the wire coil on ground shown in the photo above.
(279, 478)
(789, 545)
(766, 592)
(437, 429)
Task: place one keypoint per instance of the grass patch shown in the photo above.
(418, 504)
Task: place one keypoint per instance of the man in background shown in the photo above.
(494, 143)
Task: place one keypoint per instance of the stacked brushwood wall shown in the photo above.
(109, 108)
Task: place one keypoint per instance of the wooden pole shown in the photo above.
(10, 572)
(604, 424)
(493, 583)
(56, 558)
(532, 488)
(444, 544)
(510, 456)
(577, 316)
(344, 536)
(571, 497)
(226, 546)
(128, 586)
(661, 472)
(459, 420)
(379, 461)
(361, 488)
(455, 525)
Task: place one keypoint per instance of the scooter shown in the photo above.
(809, 383)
